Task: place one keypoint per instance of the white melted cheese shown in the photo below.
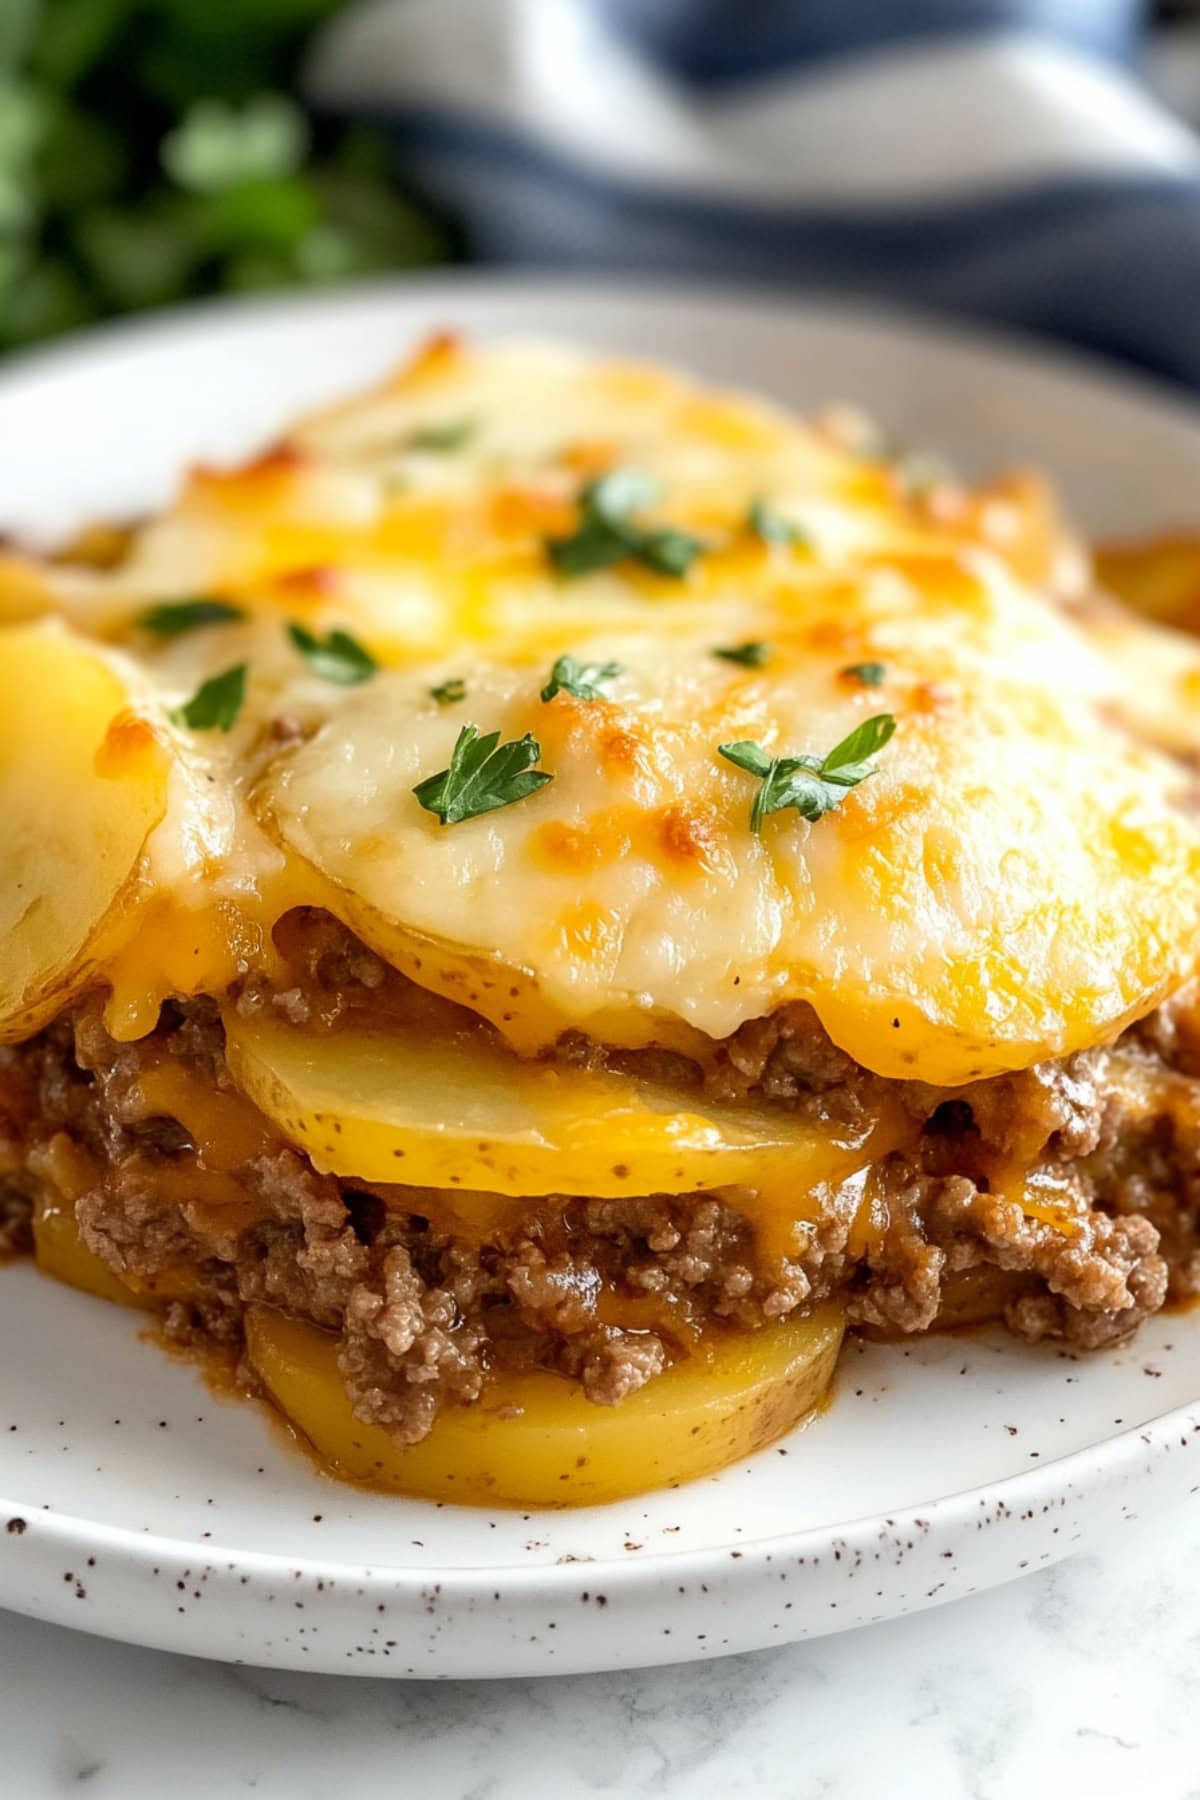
(1012, 881)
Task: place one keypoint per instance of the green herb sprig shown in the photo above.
(813, 785)
(586, 681)
(443, 439)
(867, 674)
(771, 526)
(216, 703)
(609, 533)
(339, 658)
(172, 618)
(484, 774)
(752, 655)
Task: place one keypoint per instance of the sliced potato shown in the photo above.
(83, 780)
(557, 1448)
(462, 1112)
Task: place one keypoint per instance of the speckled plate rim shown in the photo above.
(178, 1594)
(55, 1567)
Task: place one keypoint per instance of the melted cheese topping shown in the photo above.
(1016, 880)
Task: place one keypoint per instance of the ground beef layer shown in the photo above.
(609, 1292)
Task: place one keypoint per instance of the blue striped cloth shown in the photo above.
(993, 157)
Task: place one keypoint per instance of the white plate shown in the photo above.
(144, 1508)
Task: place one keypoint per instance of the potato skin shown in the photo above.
(83, 782)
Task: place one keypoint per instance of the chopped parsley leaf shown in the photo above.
(585, 680)
(216, 703)
(448, 692)
(173, 617)
(608, 533)
(751, 655)
(444, 439)
(867, 674)
(814, 785)
(339, 657)
(668, 551)
(621, 491)
(484, 774)
(594, 546)
(771, 526)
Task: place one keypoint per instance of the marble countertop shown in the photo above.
(1083, 1679)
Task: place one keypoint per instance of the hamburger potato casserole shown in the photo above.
(542, 900)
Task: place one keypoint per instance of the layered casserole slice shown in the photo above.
(538, 902)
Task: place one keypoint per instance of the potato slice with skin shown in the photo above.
(741, 1391)
(83, 781)
(394, 1106)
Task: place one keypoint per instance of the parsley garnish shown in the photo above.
(448, 692)
(339, 658)
(868, 674)
(814, 785)
(771, 526)
(608, 533)
(216, 703)
(751, 656)
(483, 775)
(584, 680)
(669, 551)
(173, 617)
(443, 440)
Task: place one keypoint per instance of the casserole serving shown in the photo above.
(538, 901)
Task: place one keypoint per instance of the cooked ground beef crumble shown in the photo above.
(610, 1291)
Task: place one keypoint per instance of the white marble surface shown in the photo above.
(1084, 1679)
